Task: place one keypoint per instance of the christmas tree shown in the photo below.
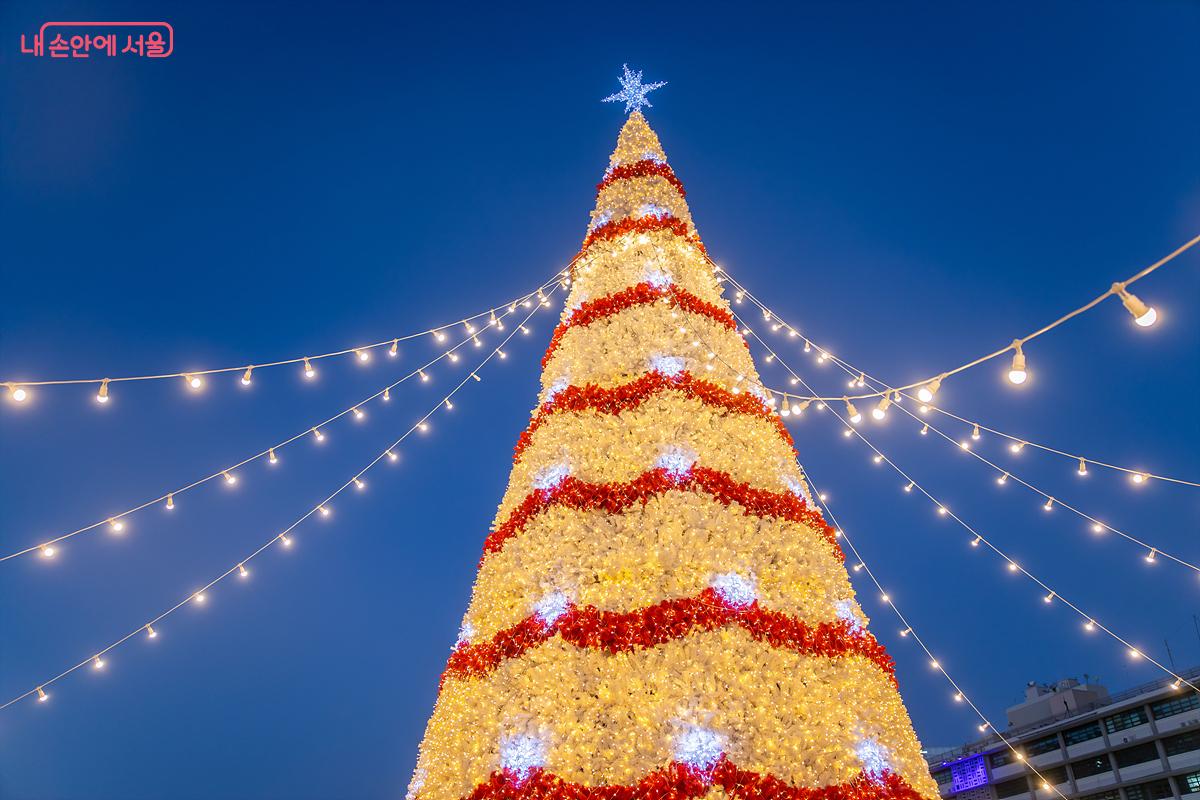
(660, 611)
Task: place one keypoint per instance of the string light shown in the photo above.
(387, 395)
(927, 392)
(316, 431)
(246, 376)
(852, 412)
(363, 356)
(394, 350)
(102, 394)
(1049, 506)
(309, 372)
(230, 478)
(97, 663)
(1143, 315)
(1082, 468)
(424, 377)
(116, 525)
(282, 538)
(199, 598)
(18, 394)
(47, 550)
(151, 633)
(1016, 447)
(975, 433)
(42, 696)
(194, 382)
(271, 458)
(1017, 374)
(392, 456)
(242, 571)
(880, 411)
(358, 413)
(170, 501)
(360, 484)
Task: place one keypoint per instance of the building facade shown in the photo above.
(1140, 744)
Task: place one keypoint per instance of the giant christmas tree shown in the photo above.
(660, 612)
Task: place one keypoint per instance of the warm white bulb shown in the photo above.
(246, 376)
(97, 663)
(195, 381)
(363, 356)
(1147, 319)
(116, 525)
(230, 478)
(48, 551)
(1017, 376)
(18, 394)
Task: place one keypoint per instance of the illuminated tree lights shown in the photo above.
(581, 584)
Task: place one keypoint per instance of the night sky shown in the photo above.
(911, 186)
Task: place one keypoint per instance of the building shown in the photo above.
(1140, 744)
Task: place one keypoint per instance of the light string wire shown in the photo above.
(15, 384)
(1048, 449)
(263, 453)
(1091, 622)
(860, 377)
(277, 538)
(1011, 347)
(908, 629)
(1006, 474)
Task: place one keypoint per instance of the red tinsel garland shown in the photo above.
(641, 169)
(616, 496)
(615, 632)
(664, 222)
(679, 781)
(642, 294)
(617, 399)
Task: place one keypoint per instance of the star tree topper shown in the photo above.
(633, 91)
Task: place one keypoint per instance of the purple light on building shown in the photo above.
(967, 774)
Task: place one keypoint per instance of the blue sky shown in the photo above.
(912, 187)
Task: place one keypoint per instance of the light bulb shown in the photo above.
(926, 392)
(395, 348)
(194, 382)
(1017, 447)
(449, 405)
(271, 456)
(878, 459)
(17, 393)
(317, 433)
(942, 510)
(199, 598)
(933, 663)
(925, 429)
(150, 632)
(1048, 598)
(1017, 374)
(422, 426)
(1089, 626)
(171, 502)
(880, 411)
(904, 633)
(246, 376)
(392, 456)
(441, 337)
(324, 510)
(1082, 467)
(975, 432)
(453, 356)
(1049, 504)
(42, 696)
(1134, 654)
(102, 395)
(387, 394)
(363, 356)
(1012, 566)
(852, 412)
(424, 377)
(242, 571)
(501, 353)
(360, 484)
(1003, 479)
(309, 372)
(475, 340)
(358, 413)
(1150, 555)
(230, 478)
(284, 540)
(909, 486)
(1097, 527)
(975, 542)
(958, 697)
(1143, 315)
(116, 525)
(47, 551)
(1138, 477)
(97, 663)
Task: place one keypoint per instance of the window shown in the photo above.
(1189, 783)
(1175, 705)
(1020, 786)
(1138, 754)
(1083, 733)
(1182, 743)
(1043, 745)
(1125, 720)
(1111, 794)
(1154, 790)
(1054, 776)
(941, 776)
(1091, 766)
(1002, 758)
